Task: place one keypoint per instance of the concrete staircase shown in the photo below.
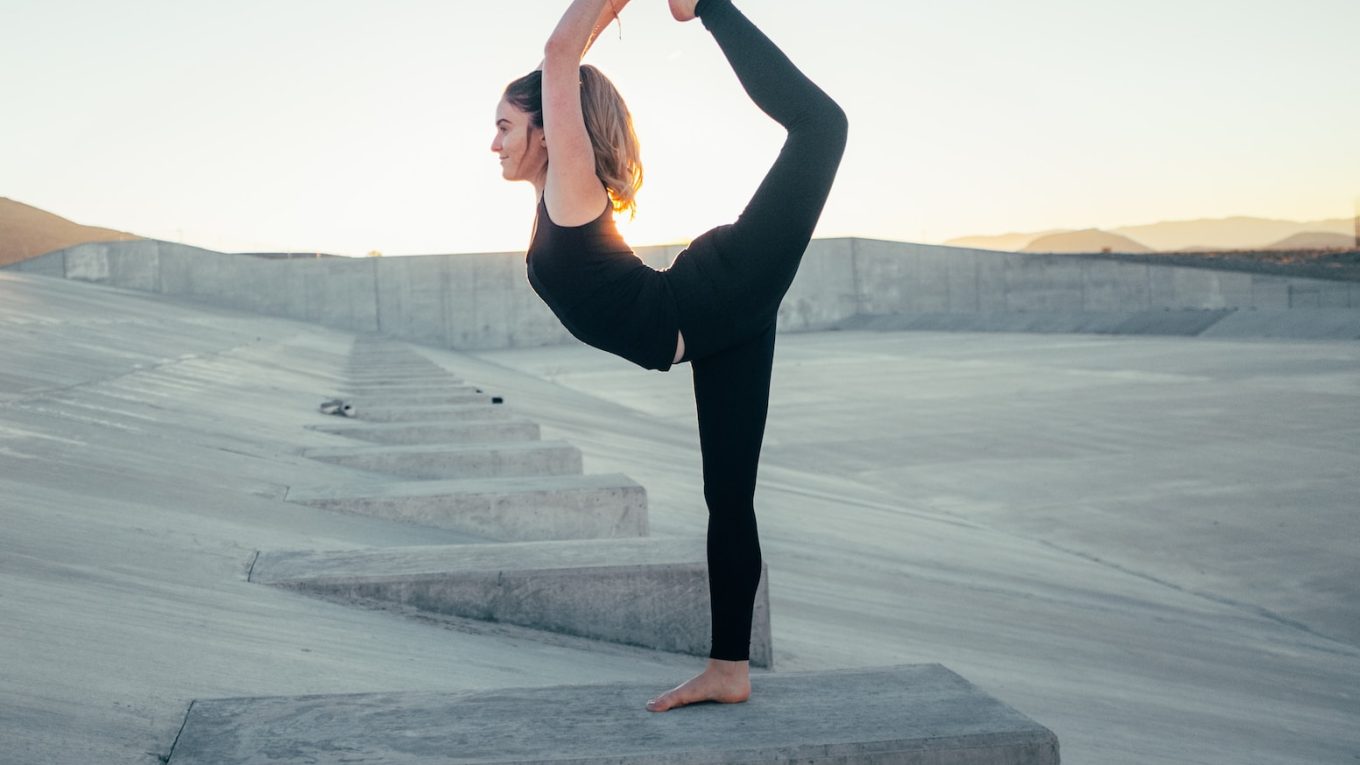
(571, 555)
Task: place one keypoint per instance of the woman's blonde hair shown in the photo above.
(618, 160)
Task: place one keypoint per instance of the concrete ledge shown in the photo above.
(429, 378)
(465, 431)
(650, 592)
(920, 714)
(510, 509)
(434, 461)
(455, 412)
(393, 399)
(409, 389)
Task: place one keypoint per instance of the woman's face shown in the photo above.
(520, 146)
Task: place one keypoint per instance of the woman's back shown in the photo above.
(599, 289)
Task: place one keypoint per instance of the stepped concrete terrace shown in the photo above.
(516, 509)
(1143, 544)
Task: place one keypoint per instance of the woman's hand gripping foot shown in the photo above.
(683, 10)
(726, 682)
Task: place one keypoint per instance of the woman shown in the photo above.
(565, 129)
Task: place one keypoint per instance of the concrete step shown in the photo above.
(389, 413)
(650, 591)
(402, 364)
(449, 413)
(458, 431)
(429, 378)
(908, 714)
(412, 389)
(425, 400)
(521, 509)
(441, 461)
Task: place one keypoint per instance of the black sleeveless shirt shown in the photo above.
(601, 291)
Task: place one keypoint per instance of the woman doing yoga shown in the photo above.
(565, 128)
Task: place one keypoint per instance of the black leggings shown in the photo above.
(729, 283)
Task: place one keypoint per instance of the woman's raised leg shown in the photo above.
(753, 261)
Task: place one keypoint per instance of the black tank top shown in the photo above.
(601, 292)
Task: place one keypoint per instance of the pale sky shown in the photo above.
(346, 126)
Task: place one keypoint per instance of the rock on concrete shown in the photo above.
(650, 592)
(525, 509)
(904, 715)
(434, 461)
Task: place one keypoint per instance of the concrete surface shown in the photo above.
(912, 715)
(1144, 543)
(493, 460)
(649, 592)
(419, 399)
(404, 389)
(505, 509)
(395, 413)
(483, 301)
(508, 429)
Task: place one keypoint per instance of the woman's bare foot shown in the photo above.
(683, 10)
(727, 682)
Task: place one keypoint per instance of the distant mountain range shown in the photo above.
(1238, 233)
(27, 232)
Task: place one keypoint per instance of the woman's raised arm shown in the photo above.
(575, 193)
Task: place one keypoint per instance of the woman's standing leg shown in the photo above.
(732, 280)
(732, 396)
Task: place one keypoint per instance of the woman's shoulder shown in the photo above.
(576, 207)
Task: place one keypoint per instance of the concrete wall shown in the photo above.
(481, 301)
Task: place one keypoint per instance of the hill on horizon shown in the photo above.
(1089, 240)
(1202, 234)
(27, 232)
(1315, 240)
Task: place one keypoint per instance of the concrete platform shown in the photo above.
(920, 714)
(470, 431)
(389, 400)
(428, 378)
(650, 592)
(465, 411)
(494, 460)
(409, 389)
(509, 509)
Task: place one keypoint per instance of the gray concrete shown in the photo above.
(913, 715)
(417, 399)
(476, 431)
(383, 377)
(472, 409)
(406, 389)
(483, 301)
(648, 592)
(449, 413)
(493, 460)
(404, 402)
(522, 509)
(1144, 543)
